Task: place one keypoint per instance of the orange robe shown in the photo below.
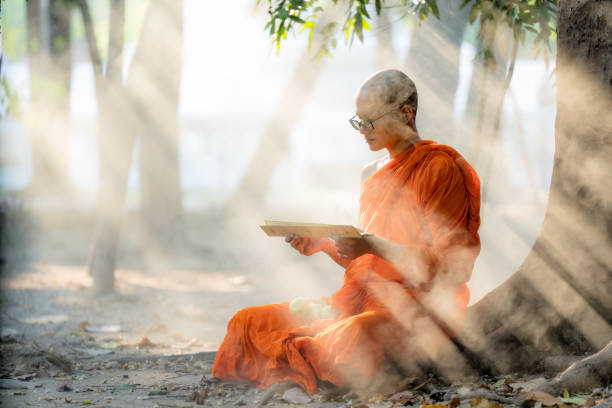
(428, 200)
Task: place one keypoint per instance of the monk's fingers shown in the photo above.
(346, 252)
(296, 241)
(302, 245)
(289, 237)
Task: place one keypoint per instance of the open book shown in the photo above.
(308, 229)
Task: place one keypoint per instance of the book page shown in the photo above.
(308, 229)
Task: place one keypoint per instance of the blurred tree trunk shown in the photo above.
(433, 64)
(385, 54)
(158, 97)
(558, 302)
(147, 106)
(115, 141)
(49, 112)
(274, 142)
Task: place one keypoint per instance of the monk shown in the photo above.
(404, 290)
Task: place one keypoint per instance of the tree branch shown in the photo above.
(94, 53)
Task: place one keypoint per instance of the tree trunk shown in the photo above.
(558, 302)
(48, 116)
(274, 142)
(115, 145)
(158, 98)
(433, 64)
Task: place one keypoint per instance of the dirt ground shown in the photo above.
(151, 344)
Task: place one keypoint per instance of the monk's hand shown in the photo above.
(351, 248)
(305, 246)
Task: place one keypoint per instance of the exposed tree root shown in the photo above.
(583, 375)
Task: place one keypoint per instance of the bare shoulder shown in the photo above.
(372, 167)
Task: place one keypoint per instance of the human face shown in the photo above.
(386, 132)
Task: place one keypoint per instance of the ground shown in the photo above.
(152, 343)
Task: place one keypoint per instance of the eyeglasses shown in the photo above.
(366, 125)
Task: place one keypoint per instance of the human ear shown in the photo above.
(408, 113)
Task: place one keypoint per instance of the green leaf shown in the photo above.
(378, 7)
(158, 392)
(464, 3)
(474, 13)
(433, 6)
(366, 25)
(297, 19)
(359, 26)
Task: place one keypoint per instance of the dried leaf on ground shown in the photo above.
(484, 403)
(528, 385)
(109, 345)
(546, 399)
(144, 342)
(574, 400)
(198, 396)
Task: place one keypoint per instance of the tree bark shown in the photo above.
(274, 142)
(115, 141)
(558, 302)
(159, 77)
(48, 116)
(433, 64)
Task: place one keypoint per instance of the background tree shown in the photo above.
(146, 107)
(48, 28)
(524, 321)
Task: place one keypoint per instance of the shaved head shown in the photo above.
(388, 89)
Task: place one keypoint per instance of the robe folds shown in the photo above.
(427, 199)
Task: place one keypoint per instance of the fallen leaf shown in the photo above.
(484, 403)
(48, 399)
(67, 400)
(401, 396)
(86, 402)
(574, 400)
(60, 318)
(296, 395)
(144, 342)
(158, 392)
(109, 345)
(499, 383)
(454, 403)
(543, 397)
(198, 396)
(111, 328)
(528, 385)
